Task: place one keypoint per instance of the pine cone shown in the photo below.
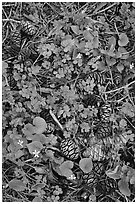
(103, 130)
(28, 28)
(90, 179)
(69, 149)
(98, 77)
(98, 168)
(15, 38)
(105, 113)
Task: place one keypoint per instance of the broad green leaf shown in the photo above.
(123, 187)
(88, 36)
(19, 154)
(65, 168)
(17, 185)
(36, 145)
(67, 165)
(28, 129)
(86, 165)
(123, 40)
(110, 61)
(120, 67)
(66, 172)
(40, 125)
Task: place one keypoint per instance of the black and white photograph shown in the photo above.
(68, 101)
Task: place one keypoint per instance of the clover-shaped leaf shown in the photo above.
(86, 165)
(124, 187)
(123, 40)
(65, 168)
(40, 125)
(28, 129)
(17, 185)
(34, 146)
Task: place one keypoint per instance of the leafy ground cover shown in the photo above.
(68, 96)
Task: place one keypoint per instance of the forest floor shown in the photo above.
(68, 100)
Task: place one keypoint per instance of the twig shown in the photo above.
(105, 9)
(7, 32)
(11, 20)
(117, 30)
(129, 122)
(6, 5)
(55, 119)
(123, 87)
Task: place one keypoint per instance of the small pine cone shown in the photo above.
(98, 168)
(28, 28)
(90, 179)
(105, 113)
(69, 149)
(15, 38)
(98, 78)
(103, 131)
(107, 185)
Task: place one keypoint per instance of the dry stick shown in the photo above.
(55, 119)
(7, 32)
(106, 8)
(129, 122)
(123, 87)
(15, 21)
(116, 29)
